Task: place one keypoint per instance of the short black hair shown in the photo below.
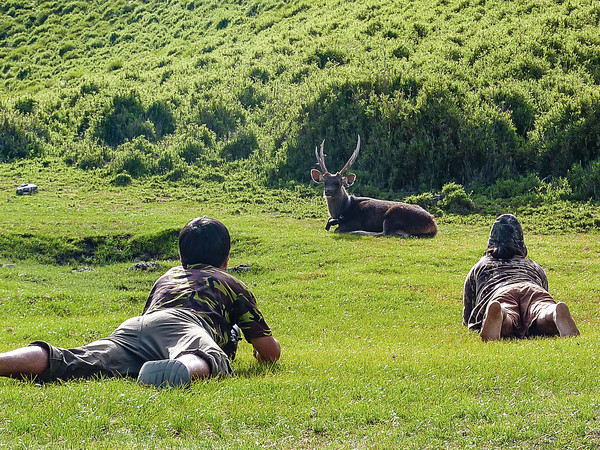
(204, 241)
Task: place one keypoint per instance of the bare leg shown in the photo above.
(197, 366)
(496, 323)
(556, 319)
(24, 362)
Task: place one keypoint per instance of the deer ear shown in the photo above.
(350, 178)
(316, 176)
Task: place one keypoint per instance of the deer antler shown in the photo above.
(321, 159)
(352, 159)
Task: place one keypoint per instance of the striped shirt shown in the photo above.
(490, 274)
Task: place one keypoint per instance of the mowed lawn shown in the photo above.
(374, 352)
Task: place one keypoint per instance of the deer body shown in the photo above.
(364, 215)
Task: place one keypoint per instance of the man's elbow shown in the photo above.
(266, 349)
(272, 354)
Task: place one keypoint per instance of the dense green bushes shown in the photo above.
(20, 136)
(466, 92)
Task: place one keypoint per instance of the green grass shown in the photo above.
(135, 116)
(374, 353)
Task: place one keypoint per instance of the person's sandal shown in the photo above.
(165, 373)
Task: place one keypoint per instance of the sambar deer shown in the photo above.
(364, 215)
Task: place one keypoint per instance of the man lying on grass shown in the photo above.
(184, 332)
(506, 294)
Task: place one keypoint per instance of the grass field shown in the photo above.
(374, 353)
(134, 116)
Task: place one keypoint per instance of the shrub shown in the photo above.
(426, 200)
(569, 134)
(220, 117)
(260, 74)
(115, 64)
(454, 199)
(585, 182)
(241, 146)
(87, 155)
(191, 150)
(65, 48)
(322, 56)
(251, 96)
(121, 179)
(19, 138)
(135, 158)
(162, 117)
(513, 187)
(520, 107)
(25, 105)
(124, 120)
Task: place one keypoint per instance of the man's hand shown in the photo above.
(266, 349)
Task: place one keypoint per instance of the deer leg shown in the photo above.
(367, 233)
(399, 233)
(390, 230)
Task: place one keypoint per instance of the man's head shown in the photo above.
(204, 241)
(506, 238)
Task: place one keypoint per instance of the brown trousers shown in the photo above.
(523, 302)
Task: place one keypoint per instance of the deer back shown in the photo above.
(364, 213)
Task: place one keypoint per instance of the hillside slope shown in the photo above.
(470, 91)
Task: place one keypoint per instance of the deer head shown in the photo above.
(335, 184)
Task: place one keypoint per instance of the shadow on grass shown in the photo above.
(255, 369)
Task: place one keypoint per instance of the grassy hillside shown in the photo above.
(439, 90)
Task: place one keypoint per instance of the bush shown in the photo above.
(162, 117)
(426, 200)
(454, 199)
(124, 120)
(134, 158)
(219, 117)
(19, 137)
(585, 182)
(251, 96)
(241, 146)
(438, 94)
(122, 179)
(514, 187)
(25, 105)
(87, 155)
(569, 134)
(322, 56)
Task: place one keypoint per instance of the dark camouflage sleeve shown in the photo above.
(248, 317)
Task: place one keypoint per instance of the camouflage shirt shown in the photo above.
(220, 299)
(490, 274)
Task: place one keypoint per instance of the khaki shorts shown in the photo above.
(523, 302)
(164, 334)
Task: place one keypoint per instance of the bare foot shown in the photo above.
(491, 327)
(564, 322)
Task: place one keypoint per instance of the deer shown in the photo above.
(364, 215)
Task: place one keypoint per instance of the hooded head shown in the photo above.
(506, 238)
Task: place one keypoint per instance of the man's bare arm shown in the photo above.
(266, 348)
